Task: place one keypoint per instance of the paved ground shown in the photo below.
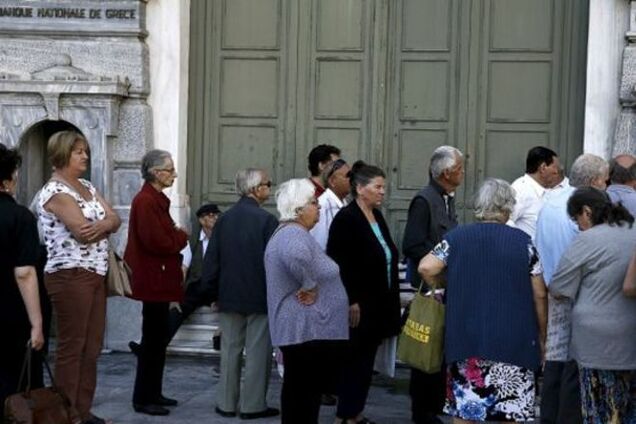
(193, 380)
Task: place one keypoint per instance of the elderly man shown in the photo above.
(332, 200)
(623, 182)
(431, 214)
(560, 397)
(319, 157)
(233, 265)
(542, 172)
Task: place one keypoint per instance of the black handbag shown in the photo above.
(48, 405)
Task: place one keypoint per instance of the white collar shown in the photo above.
(534, 185)
(328, 196)
(202, 236)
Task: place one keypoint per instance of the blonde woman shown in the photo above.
(76, 221)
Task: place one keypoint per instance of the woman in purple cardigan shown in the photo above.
(307, 304)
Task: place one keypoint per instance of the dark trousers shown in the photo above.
(355, 377)
(152, 355)
(560, 393)
(309, 367)
(427, 394)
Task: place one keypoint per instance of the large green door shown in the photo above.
(386, 80)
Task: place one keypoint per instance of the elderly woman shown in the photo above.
(76, 222)
(591, 274)
(153, 253)
(307, 304)
(20, 316)
(495, 312)
(360, 243)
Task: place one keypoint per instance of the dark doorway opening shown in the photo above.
(36, 169)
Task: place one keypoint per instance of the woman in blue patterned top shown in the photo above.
(496, 312)
(306, 301)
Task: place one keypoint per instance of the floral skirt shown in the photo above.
(482, 390)
(605, 397)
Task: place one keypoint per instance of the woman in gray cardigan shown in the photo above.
(307, 304)
(591, 274)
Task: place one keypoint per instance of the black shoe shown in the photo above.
(269, 412)
(150, 409)
(164, 401)
(226, 414)
(328, 400)
(134, 348)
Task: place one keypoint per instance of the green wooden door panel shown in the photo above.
(388, 81)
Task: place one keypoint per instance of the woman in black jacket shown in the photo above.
(360, 242)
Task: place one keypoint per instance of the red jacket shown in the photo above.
(153, 250)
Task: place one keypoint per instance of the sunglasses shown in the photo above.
(267, 184)
(335, 165)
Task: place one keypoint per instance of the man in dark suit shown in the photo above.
(431, 214)
(233, 266)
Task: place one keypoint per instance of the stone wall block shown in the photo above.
(135, 131)
(625, 139)
(102, 57)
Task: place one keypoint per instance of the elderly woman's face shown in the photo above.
(165, 174)
(373, 193)
(79, 159)
(584, 219)
(309, 214)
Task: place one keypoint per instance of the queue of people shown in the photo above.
(544, 280)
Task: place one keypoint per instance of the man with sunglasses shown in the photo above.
(234, 267)
(336, 179)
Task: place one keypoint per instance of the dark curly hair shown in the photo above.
(10, 160)
(603, 210)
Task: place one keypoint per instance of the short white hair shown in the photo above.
(247, 180)
(444, 157)
(494, 200)
(292, 196)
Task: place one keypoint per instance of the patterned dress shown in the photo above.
(478, 389)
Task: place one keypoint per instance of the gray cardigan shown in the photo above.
(294, 260)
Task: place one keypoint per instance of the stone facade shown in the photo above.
(625, 136)
(84, 62)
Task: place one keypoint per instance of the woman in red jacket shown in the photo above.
(154, 243)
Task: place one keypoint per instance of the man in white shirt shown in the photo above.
(332, 200)
(542, 173)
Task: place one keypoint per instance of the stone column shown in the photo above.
(625, 135)
(608, 22)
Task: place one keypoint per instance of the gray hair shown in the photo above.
(247, 180)
(153, 159)
(586, 168)
(621, 175)
(292, 196)
(444, 157)
(494, 200)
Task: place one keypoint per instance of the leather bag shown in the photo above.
(421, 343)
(118, 276)
(48, 405)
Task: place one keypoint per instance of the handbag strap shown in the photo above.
(26, 368)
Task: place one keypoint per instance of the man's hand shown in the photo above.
(354, 315)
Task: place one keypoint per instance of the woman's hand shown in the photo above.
(354, 315)
(37, 338)
(307, 297)
(95, 231)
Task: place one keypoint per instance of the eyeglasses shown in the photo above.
(335, 165)
(169, 170)
(266, 183)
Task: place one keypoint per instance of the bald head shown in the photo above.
(623, 170)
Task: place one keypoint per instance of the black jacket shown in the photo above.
(363, 269)
(426, 225)
(233, 264)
